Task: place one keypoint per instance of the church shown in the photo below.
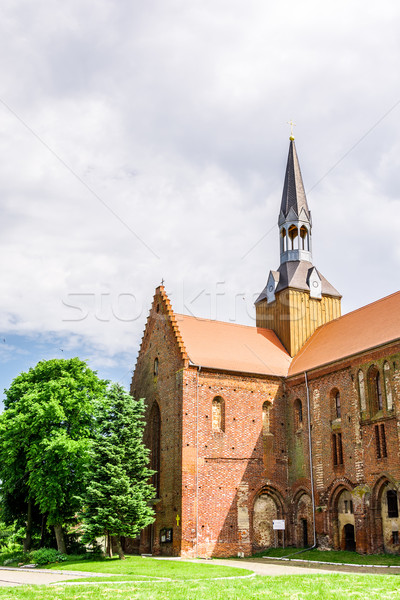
(283, 433)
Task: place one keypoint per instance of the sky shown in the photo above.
(147, 141)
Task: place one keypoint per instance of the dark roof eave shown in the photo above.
(219, 370)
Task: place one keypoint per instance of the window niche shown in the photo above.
(266, 418)
(298, 414)
(361, 391)
(337, 449)
(155, 367)
(375, 390)
(336, 408)
(388, 387)
(218, 414)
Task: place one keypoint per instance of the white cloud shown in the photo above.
(174, 114)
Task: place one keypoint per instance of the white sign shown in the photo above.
(278, 524)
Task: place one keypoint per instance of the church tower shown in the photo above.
(297, 298)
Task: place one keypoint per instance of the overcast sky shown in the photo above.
(144, 140)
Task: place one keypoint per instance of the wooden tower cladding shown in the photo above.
(294, 316)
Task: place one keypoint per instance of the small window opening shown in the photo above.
(156, 367)
(395, 537)
(392, 504)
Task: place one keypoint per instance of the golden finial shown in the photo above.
(291, 129)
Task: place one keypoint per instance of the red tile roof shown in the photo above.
(232, 347)
(370, 326)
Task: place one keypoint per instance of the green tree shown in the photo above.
(116, 502)
(46, 431)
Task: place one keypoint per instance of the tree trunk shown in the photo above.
(28, 532)
(43, 530)
(61, 547)
(109, 545)
(119, 548)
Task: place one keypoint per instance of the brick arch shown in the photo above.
(376, 510)
(303, 518)
(337, 488)
(378, 488)
(268, 505)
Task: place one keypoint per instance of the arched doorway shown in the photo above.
(345, 522)
(303, 520)
(267, 508)
(389, 512)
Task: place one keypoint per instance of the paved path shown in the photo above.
(261, 567)
(9, 577)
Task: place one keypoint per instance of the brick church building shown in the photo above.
(296, 419)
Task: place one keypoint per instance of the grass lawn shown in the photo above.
(335, 556)
(294, 587)
(150, 567)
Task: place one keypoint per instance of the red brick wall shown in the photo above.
(166, 389)
(361, 469)
(232, 465)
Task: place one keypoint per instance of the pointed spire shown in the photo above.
(294, 196)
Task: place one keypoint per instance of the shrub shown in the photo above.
(44, 556)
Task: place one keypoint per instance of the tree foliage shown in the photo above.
(46, 431)
(116, 502)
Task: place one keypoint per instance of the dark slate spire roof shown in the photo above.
(293, 195)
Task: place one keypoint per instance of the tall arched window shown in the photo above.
(338, 409)
(388, 387)
(375, 389)
(155, 445)
(361, 390)
(293, 235)
(155, 368)
(335, 402)
(378, 387)
(283, 240)
(298, 414)
(304, 238)
(218, 414)
(266, 417)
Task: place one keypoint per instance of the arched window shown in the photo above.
(304, 238)
(337, 406)
(298, 414)
(375, 389)
(335, 402)
(378, 390)
(293, 235)
(155, 438)
(266, 417)
(361, 390)
(388, 387)
(218, 414)
(155, 369)
(283, 240)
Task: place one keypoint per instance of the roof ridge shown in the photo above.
(224, 322)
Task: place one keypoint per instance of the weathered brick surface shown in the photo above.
(221, 489)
